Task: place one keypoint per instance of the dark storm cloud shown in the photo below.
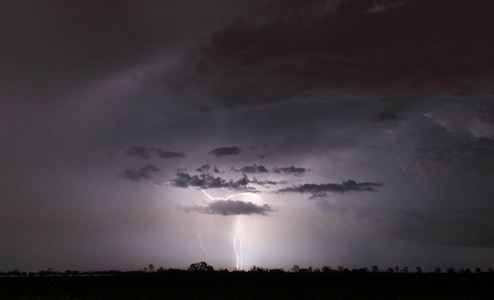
(165, 154)
(384, 115)
(262, 169)
(139, 151)
(321, 190)
(141, 173)
(203, 168)
(232, 208)
(290, 170)
(206, 180)
(225, 151)
(475, 119)
(253, 169)
(265, 183)
(468, 157)
(452, 226)
(362, 45)
(144, 152)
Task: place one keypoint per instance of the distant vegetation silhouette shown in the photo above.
(204, 267)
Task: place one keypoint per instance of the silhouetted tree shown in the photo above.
(327, 269)
(295, 268)
(375, 269)
(437, 270)
(490, 270)
(450, 270)
(390, 270)
(478, 270)
(418, 270)
(201, 267)
(277, 270)
(397, 269)
(151, 268)
(258, 269)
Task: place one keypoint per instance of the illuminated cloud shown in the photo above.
(231, 208)
(206, 181)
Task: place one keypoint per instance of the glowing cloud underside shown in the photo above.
(238, 236)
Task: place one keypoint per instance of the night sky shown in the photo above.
(354, 133)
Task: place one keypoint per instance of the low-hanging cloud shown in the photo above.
(253, 169)
(139, 174)
(225, 151)
(231, 208)
(290, 170)
(321, 190)
(206, 181)
(146, 153)
(165, 154)
(204, 168)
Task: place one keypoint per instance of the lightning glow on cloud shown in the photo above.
(231, 196)
(238, 236)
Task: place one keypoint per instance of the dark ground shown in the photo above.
(252, 285)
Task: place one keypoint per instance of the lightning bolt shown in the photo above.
(238, 252)
(202, 247)
(240, 246)
(235, 247)
(231, 196)
(239, 232)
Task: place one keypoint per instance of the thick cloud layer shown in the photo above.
(225, 151)
(321, 190)
(290, 170)
(232, 208)
(206, 181)
(362, 45)
(253, 169)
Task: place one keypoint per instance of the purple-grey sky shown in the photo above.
(356, 133)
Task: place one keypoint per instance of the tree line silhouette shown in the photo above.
(204, 267)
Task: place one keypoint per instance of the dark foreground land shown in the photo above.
(252, 285)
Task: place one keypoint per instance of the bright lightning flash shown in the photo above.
(202, 247)
(238, 253)
(232, 196)
(239, 232)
